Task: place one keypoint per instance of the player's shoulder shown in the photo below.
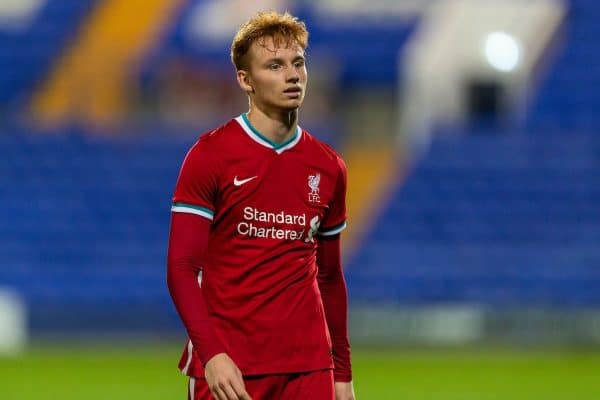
(217, 136)
(321, 149)
(211, 142)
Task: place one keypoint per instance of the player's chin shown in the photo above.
(292, 104)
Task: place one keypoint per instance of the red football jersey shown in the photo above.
(267, 202)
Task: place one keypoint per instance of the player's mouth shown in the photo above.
(293, 92)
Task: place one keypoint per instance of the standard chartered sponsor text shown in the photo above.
(248, 227)
(253, 214)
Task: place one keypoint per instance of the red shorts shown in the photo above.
(315, 385)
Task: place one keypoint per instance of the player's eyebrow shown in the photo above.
(274, 60)
(282, 61)
(299, 58)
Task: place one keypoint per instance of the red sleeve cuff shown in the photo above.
(342, 377)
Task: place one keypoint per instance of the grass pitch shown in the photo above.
(149, 372)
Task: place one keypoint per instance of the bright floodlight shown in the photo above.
(502, 51)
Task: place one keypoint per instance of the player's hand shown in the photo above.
(344, 391)
(224, 379)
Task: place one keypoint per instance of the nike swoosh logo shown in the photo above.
(240, 182)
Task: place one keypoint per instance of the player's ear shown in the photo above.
(244, 81)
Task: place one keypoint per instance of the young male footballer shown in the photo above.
(254, 265)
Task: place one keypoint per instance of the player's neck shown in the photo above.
(277, 127)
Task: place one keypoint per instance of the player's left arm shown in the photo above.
(332, 285)
(335, 302)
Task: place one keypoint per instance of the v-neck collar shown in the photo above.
(263, 140)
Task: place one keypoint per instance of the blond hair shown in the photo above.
(283, 28)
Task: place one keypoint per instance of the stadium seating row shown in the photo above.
(502, 218)
(26, 55)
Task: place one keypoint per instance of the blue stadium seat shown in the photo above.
(27, 55)
(518, 225)
(85, 221)
(568, 96)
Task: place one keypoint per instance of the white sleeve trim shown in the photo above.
(333, 231)
(185, 208)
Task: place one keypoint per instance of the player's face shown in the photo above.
(276, 76)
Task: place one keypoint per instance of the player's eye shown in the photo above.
(274, 66)
(299, 64)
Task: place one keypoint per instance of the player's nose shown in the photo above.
(293, 75)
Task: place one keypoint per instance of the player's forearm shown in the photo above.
(187, 243)
(335, 302)
(192, 310)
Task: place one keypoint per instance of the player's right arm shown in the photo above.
(188, 241)
(192, 214)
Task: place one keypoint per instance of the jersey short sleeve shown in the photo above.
(196, 187)
(335, 219)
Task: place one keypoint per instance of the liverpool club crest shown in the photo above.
(313, 184)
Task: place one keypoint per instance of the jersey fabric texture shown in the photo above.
(268, 203)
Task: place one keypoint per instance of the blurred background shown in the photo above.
(472, 136)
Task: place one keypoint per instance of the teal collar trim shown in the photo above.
(263, 140)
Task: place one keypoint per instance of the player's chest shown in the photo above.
(276, 183)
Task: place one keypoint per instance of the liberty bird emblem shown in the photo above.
(313, 184)
(314, 227)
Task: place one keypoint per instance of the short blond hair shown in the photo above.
(283, 28)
